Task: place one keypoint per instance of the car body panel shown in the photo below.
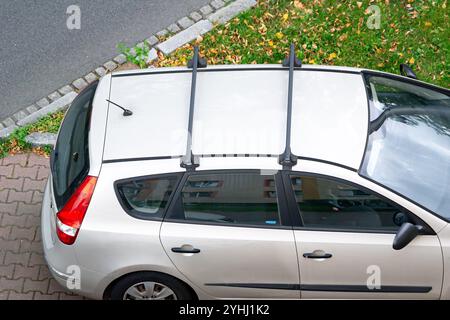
(356, 255)
(330, 106)
(269, 164)
(370, 262)
(232, 257)
(160, 106)
(124, 242)
(58, 255)
(444, 238)
(237, 113)
(335, 119)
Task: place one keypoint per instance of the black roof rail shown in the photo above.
(189, 161)
(287, 159)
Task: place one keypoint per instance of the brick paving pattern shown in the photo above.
(23, 271)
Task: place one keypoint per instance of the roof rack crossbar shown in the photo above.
(189, 161)
(287, 159)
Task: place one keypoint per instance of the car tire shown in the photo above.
(127, 287)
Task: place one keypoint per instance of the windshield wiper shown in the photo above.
(402, 111)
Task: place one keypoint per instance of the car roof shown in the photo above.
(239, 110)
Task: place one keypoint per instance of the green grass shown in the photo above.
(141, 54)
(325, 32)
(16, 143)
(334, 33)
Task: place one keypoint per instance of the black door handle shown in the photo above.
(317, 255)
(185, 250)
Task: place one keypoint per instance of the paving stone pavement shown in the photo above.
(23, 271)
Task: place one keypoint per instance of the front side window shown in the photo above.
(229, 198)
(408, 147)
(146, 197)
(326, 203)
(70, 157)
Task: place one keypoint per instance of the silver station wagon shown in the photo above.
(252, 182)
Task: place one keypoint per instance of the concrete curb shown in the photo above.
(185, 36)
(51, 108)
(225, 14)
(185, 30)
(38, 139)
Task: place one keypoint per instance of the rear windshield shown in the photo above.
(408, 147)
(70, 159)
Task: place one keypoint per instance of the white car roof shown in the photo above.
(238, 110)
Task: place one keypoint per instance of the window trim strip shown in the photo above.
(326, 287)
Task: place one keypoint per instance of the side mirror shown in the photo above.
(406, 71)
(405, 235)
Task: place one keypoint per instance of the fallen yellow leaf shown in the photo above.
(279, 35)
(332, 56)
(285, 17)
(411, 61)
(427, 24)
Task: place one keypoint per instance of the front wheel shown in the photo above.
(150, 286)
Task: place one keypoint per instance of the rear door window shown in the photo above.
(70, 163)
(228, 198)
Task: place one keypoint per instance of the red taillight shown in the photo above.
(69, 219)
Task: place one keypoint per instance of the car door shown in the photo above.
(228, 233)
(344, 235)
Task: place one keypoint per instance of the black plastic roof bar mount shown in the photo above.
(189, 161)
(287, 159)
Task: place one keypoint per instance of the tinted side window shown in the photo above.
(229, 198)
(325, 203)
(146, 197)
(71, 158)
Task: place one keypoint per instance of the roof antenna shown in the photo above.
(126, 112)
(287, 159)
(189, 161)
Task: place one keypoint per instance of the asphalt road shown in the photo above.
(39, 54)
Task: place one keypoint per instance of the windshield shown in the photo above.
(408, 147)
